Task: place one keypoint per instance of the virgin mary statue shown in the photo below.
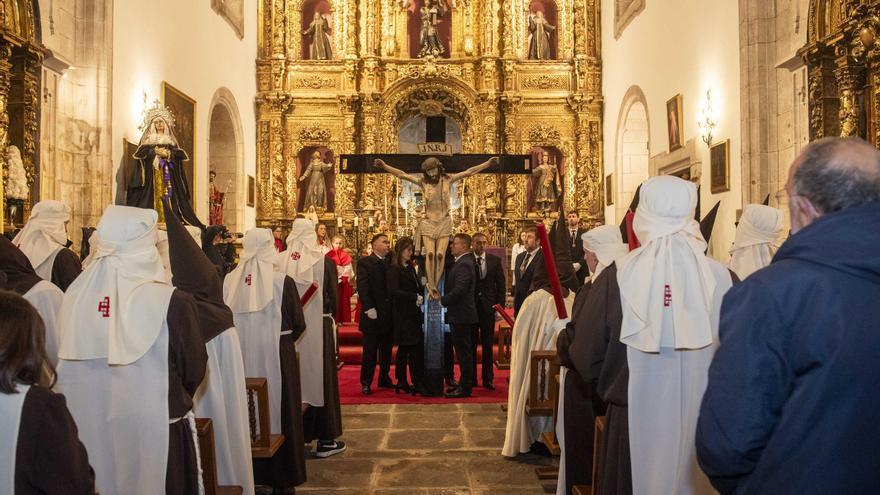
(159, 171)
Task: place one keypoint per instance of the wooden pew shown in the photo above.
(264, 444)
(549, 437)
(502, 358)
(208, 456)
(544, 366)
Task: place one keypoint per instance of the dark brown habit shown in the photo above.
(581, 402)
(187, 361)
(599, 358)
(288, 467)
(325, 423)
(49, 457)
(65, 268)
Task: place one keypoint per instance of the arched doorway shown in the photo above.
(633, 149)
(225, 159)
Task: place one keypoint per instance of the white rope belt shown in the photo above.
(190, 417)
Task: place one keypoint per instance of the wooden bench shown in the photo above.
(543, 366)
(264, 444)
(502, 358)
(208, 456)
(549, 437)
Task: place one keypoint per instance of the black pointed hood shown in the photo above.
(632, 207)
(85, 248)
(699, 205)
(766, 201)
(193, 272)
(560, 243)
(210, 249)
(707, 224)
(15, 266)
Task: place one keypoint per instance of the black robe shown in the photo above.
(599, 358)
(581, 404)
(288, 467)
(49, 457)
(325, 423)
(65, 269)
(139, 188)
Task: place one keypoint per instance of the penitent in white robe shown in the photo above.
(222, 396)
(311, 344)
(46, 298)
(535, 329)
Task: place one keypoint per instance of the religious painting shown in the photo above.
(233, 12)
(674, 123)
(544, 189)
(251, 190)
(316, 179)
(184, 110)
(719, 159)
(317, 30)
(609, 189)
(429, 28)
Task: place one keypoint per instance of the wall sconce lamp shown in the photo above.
(707, 121)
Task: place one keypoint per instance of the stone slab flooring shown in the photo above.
(447, 449)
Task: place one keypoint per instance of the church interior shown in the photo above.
(283, 109)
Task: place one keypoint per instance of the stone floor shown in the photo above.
(438, 449)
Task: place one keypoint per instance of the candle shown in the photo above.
(371, 222)
(356, 221)
(339, 222)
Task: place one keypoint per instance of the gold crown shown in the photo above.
(157, 110)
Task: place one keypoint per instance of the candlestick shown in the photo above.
(339, 222)
(371, 222)
(356, 221)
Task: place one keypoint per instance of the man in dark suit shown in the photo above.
(491, 286)
(461, 311)
(573, 221)
(375, 317)
(525, 267)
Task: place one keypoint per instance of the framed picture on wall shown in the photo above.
(184, 110)
(674, 123)
(719, 158)
(609, 189)
(251, 191)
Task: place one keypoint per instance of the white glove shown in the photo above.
(371, 313)
(419, 300)
(497, 316)
(577, 267)
(558, 325)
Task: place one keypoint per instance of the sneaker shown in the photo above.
(330, 448)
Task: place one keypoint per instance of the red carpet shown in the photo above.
(350, 390)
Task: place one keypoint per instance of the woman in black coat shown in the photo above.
(406, 292)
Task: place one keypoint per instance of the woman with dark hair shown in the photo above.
(37, 432)
(405, 291)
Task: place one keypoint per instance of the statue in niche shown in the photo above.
(539, 42)
(316, 190)
(159, 172)
(429, 39)
(547, 185)
(319, 30)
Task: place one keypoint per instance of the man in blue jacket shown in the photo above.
(792, 404)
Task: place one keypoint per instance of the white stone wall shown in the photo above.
(190, 46)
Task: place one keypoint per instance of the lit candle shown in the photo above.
(371, 222)
(339, 222)
(356, 221)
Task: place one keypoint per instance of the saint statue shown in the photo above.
(547, 184)
(316, 190)
(539, 43)
(159, 172)
(429, 38)
(434, 228)
(319, 30)
(216, 199)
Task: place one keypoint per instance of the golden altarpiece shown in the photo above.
(374, 83)
(21, 57)
(843, 58)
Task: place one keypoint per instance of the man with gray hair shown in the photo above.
(792, 396)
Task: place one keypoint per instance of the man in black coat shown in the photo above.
(526, 263)
(573, 222)
(375, 317)
(791, 405)
(491, 286)
(461, 311)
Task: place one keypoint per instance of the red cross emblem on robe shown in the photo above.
(104, 307)
(247, 279)
(295, 256)
(667, 296)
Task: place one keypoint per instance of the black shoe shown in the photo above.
(458, 393)
(489, 385)
(406, 387)
(451, 383)
(419, 389)
(538, 448)
(366, 390)
(385, 382)
(326, 449)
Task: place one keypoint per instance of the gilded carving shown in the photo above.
(543, 134)
(314, 82)
(544, 81)
(314, 133)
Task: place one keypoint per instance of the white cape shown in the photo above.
(311, 344)
(222, 396)
(10, 410)
(122, 414)
(44, 270)
(535, 329)
(664, 395)
(46, 298)
(259, 335)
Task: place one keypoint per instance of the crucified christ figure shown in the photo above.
(433, 231)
